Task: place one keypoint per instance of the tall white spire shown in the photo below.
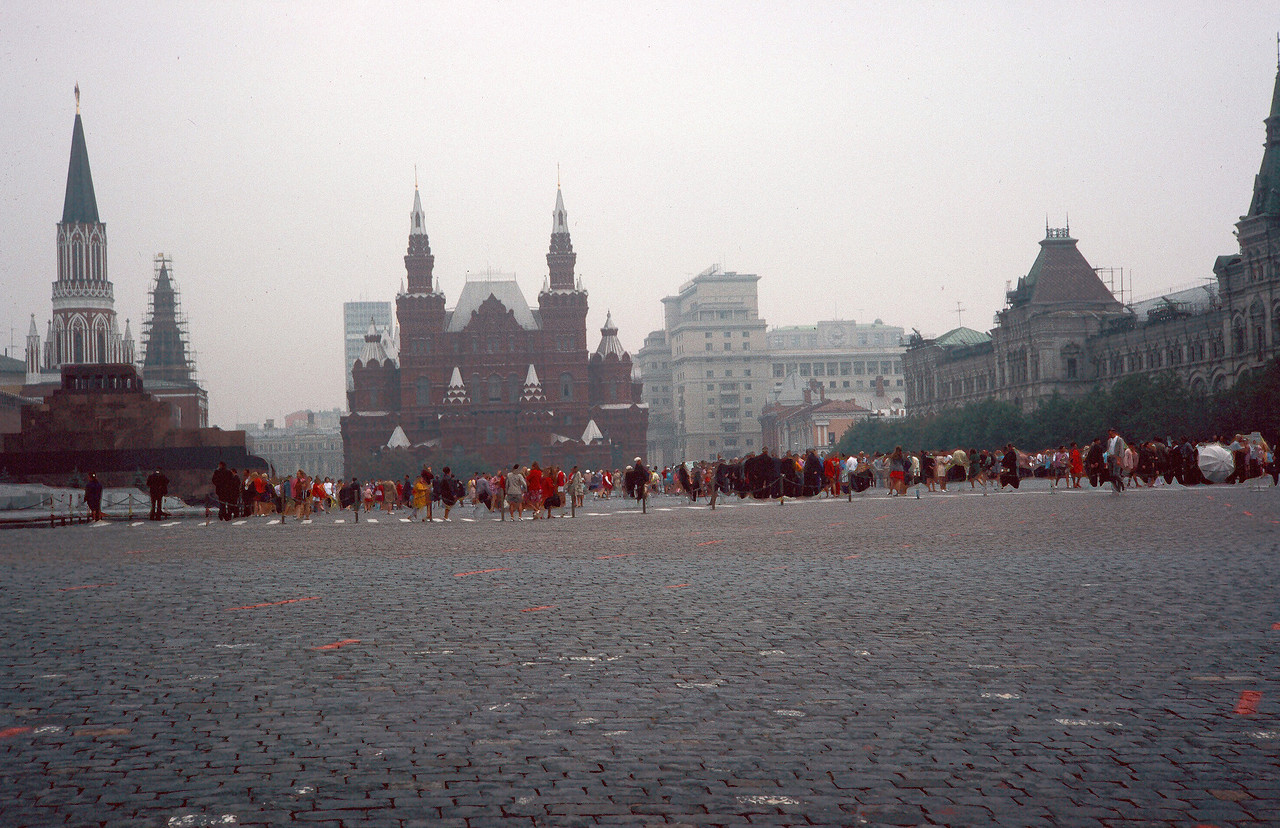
(559, 218)
(417, 219)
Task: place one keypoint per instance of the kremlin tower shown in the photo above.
(84, 328)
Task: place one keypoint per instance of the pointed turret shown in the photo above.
(417, 218)
(559, 216)
(1266, 187)
(532, 391)
(374, 351)
(419, 263)
(560, 257)
(591, 433)
(457, 391)
(166, 351)
(398, 439)
(33, 352)
(80, 204)
(128, 341)
(609, 343)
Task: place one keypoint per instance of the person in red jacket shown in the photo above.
(533, 496)
(550, 497)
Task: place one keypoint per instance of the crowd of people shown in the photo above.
(1105, 461)
(541, 492)
(545, 493)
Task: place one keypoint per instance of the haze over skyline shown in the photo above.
(867, 161)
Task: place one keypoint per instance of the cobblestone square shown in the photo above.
(1022, 659)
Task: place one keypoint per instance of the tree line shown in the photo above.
(1139, 407)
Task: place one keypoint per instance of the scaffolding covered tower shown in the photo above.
(167, 353)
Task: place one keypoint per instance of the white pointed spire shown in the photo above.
(33, 331)
(559, 218)
(417, 218)
(546, 284)
(532, 387)
(398, 439)
(457, 391)
(591, 432)
(608, 322)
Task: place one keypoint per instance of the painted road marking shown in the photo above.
(710, 542)
(336, 644)
(1087, 723)
(479, 572)
(1248, 703)
(538, 609)
(273, 603)
(12, 731)
(675, 586)
(86, 586)
(170, 523)
(239, 523)
(768, 800)
(201, 821)
(626, 554)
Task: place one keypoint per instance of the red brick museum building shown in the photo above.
(494, 377)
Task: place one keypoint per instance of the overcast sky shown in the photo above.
(866, 160)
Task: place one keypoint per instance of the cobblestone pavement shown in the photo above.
(1022, 659)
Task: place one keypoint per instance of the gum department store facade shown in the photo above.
(1063, 332)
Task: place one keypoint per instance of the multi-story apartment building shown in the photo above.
(854, 362)
(310, 446)
(718, 365)
(654, 362)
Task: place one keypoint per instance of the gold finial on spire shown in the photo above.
(415, 176)
(77, 97)
(558, 168)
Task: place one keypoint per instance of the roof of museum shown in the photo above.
(476, 291)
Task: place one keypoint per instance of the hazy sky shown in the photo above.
(865, 159)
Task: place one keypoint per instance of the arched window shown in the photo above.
(422, 391)
(1237, 336)
(566, 386)
(77, 344)
(495, 388)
